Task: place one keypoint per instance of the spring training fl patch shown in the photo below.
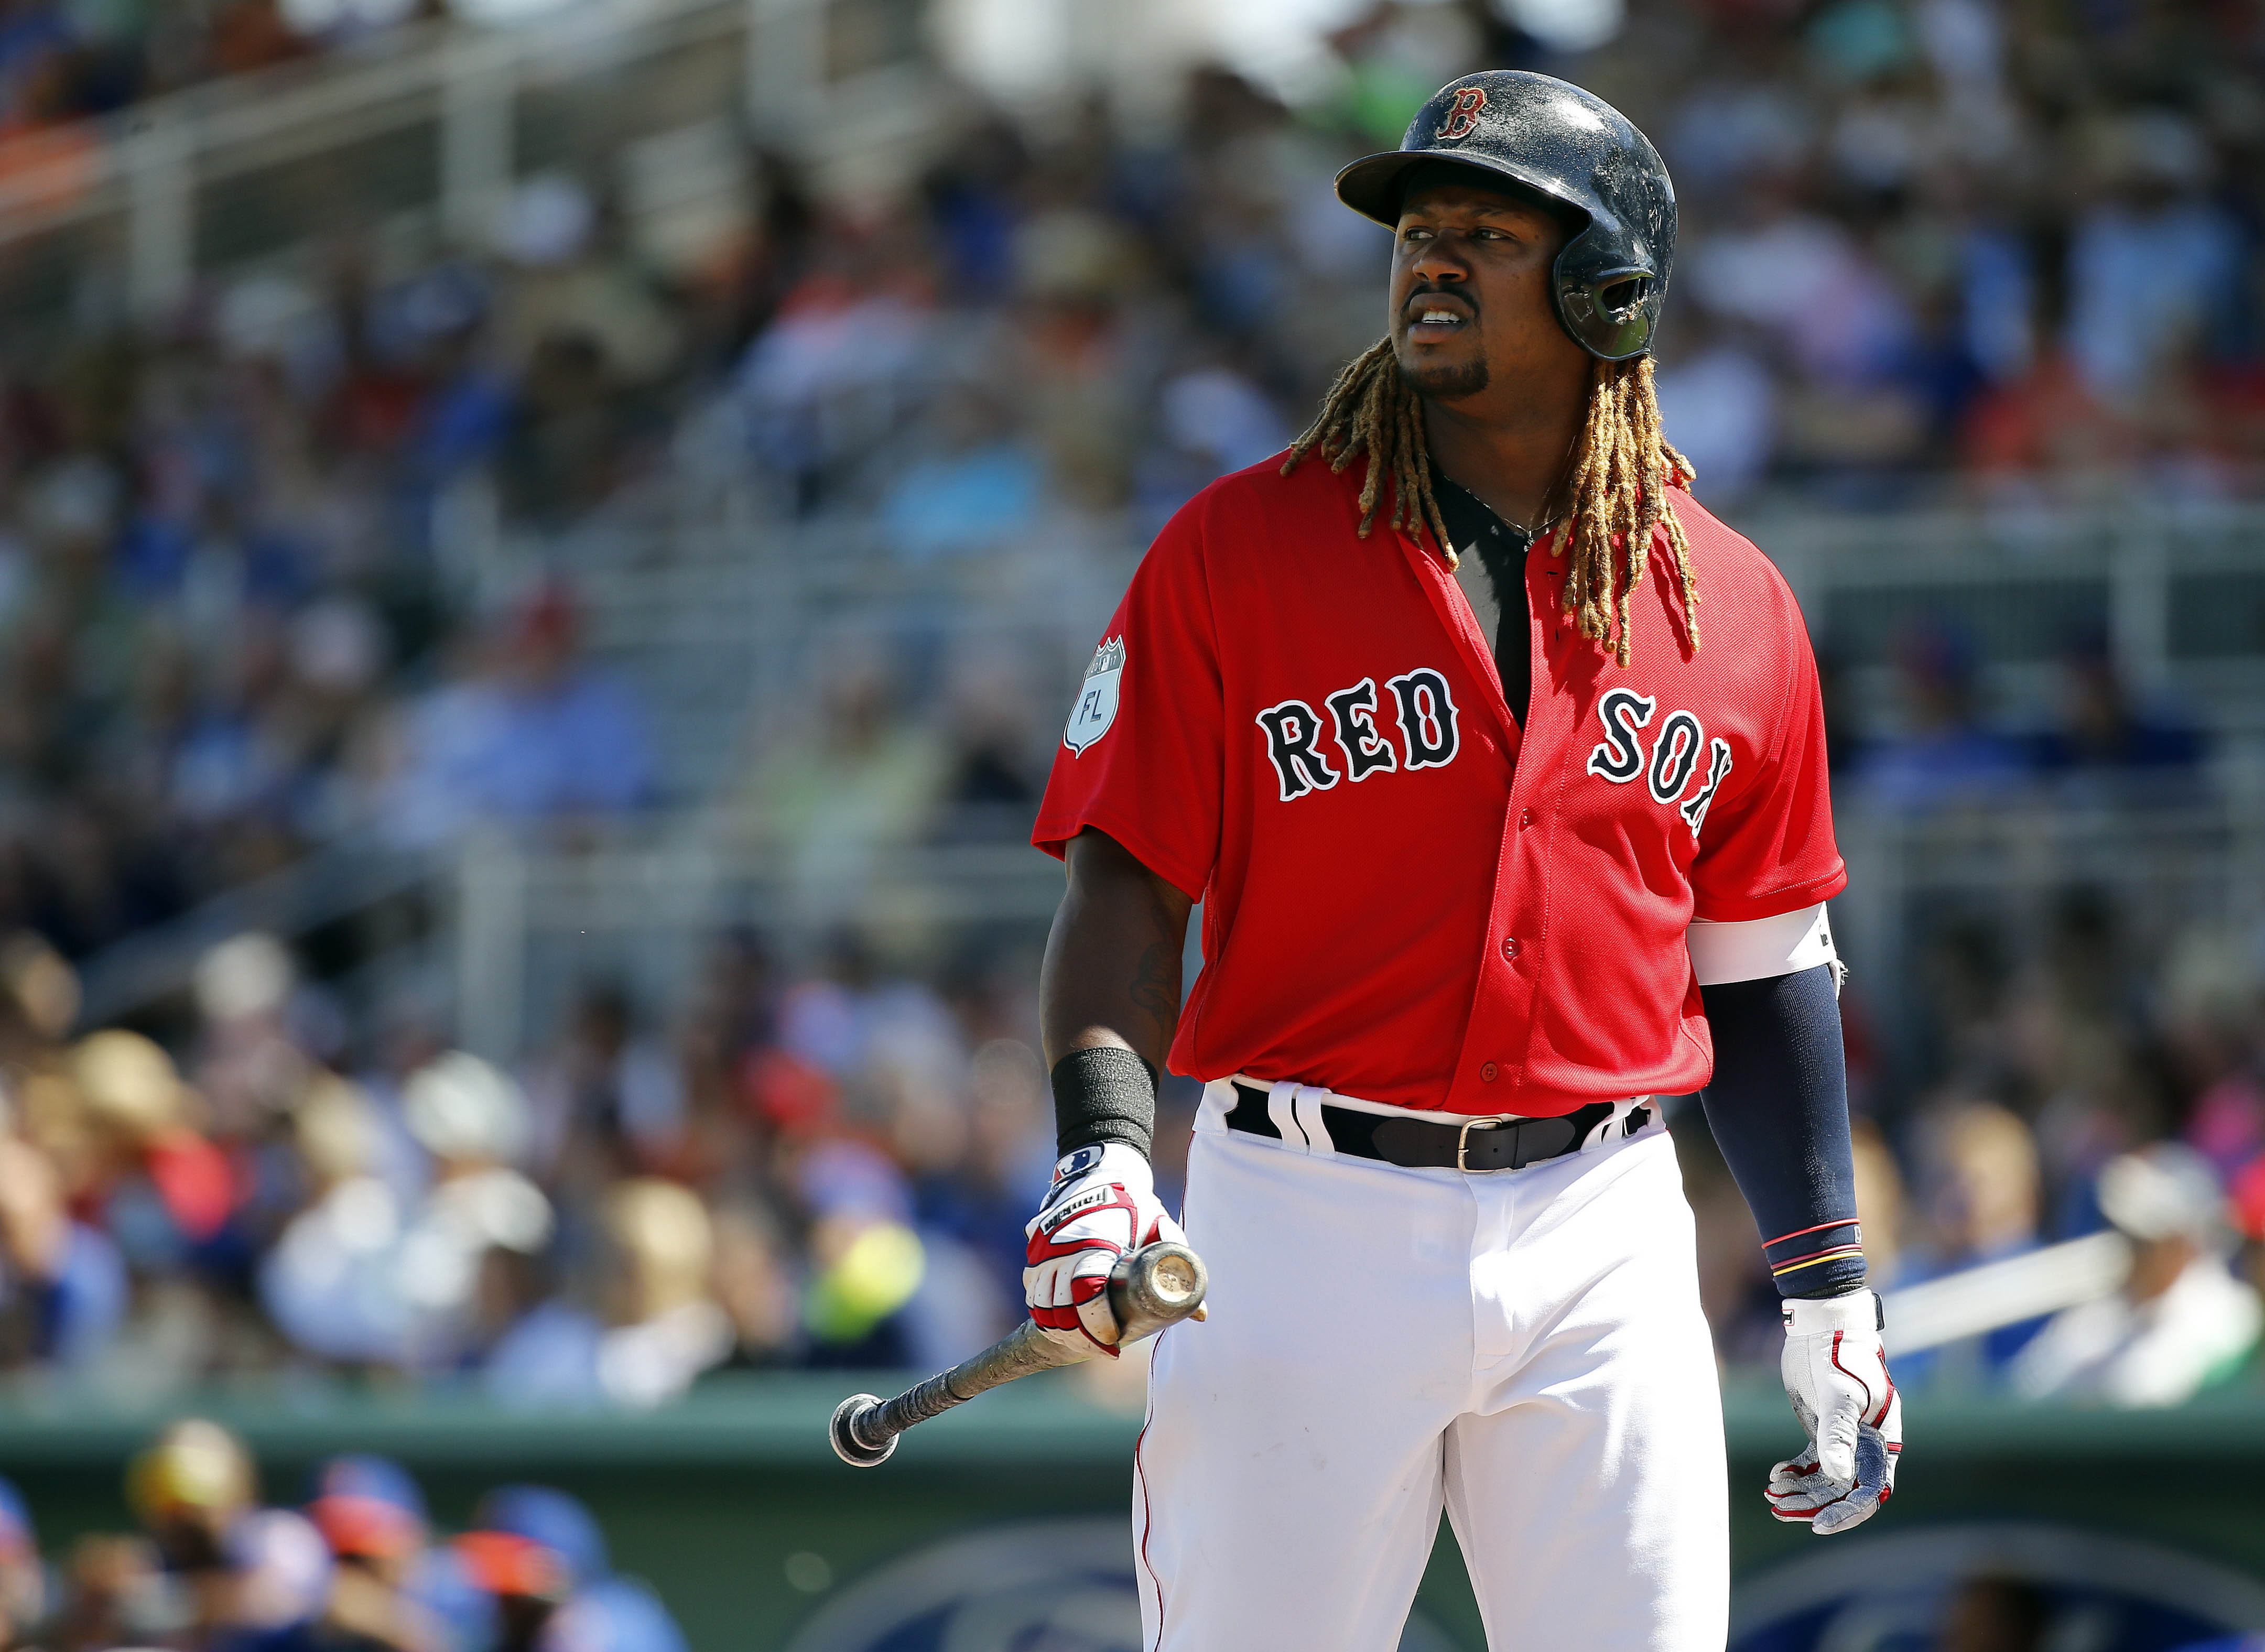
(1096, 701)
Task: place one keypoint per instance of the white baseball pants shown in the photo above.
(1523, 1349)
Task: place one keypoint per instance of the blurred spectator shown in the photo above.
(163, 1188)
(357, 1277)
(989, 790)
(331, 1282)
(754, 1285)
(827, 377)
(865, 779)
(1213, 420)
(867, 1262)
(978, 487)
(23, 1591)
(533, 735)
(244, 1573)
(1718, 396)
(657, 1329)
(665, 1328)
(2154, 258)
(2212, 998)
(1943, 755)
(1979, 1161)
(2105, 734)
(612, 1102)
(360, 1571)
(390, 1591)
(1983, 1165)
(65, 1284)
(2182, 1320)
(543, 1557)
(115, 1595)
(1879, 1207)
(188, 1489)
(249, 1072)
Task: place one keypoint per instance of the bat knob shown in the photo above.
(1157, 1285)
(848, 1445)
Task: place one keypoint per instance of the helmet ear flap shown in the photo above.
(1623, 301)
(1611, 315)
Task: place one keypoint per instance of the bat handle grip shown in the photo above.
(865, 1426)
(1155, 1286)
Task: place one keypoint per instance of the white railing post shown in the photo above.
(490, 943)
(477, 90)
(161, 212)
(786, 67)
(2139, 599)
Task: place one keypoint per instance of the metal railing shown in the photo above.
(336, 883)
(424, 135)
(1971, 899)
(2178, 598)
(733, 627)
(534, 926)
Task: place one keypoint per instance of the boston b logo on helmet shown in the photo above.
(1577, 151)
(1462, 114)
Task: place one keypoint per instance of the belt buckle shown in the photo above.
(1463, 1138)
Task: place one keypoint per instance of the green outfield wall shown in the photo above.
(731, 1506)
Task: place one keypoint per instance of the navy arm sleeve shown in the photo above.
(1779, 1108)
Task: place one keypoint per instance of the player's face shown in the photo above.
(1470, 294)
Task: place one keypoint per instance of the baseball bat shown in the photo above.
(1157, 1285)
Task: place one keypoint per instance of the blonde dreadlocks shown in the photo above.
(1616, 495)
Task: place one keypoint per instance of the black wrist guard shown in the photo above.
(1107, 1095)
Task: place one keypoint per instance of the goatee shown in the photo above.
(1445, 383)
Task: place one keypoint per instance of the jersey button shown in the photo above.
(1525, 818)
(1509, 948)
(1490, 1073)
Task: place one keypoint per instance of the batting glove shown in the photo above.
(1102, 1204)
(1836, 1374)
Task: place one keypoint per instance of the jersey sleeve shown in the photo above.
(1767, 846)
(1143, 756)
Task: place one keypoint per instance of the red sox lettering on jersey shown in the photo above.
(1620, 756)
(1407, 896)
(1426, 712)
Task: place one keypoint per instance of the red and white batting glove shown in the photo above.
(1102, 1204)
(1836, 1374)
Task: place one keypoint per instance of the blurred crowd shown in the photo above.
(2049, 1099)
(298, 566)
(832, 1168)
(66, 61)
(284, 566)
(358, 1568)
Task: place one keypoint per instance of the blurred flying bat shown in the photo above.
(1150, 1288)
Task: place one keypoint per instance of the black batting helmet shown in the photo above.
(1576, 149)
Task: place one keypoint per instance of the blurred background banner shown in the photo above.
(545, 547)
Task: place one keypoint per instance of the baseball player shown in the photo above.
(1492, 848)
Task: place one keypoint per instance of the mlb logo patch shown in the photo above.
(1096, 701)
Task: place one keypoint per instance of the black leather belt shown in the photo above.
(1484, 1144)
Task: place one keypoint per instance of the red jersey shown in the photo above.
(1406, 897)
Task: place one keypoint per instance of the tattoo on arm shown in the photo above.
(1111, 974)
(1155, 988)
